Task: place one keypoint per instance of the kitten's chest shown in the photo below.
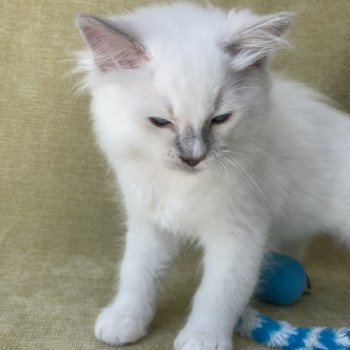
(177, 210)
(174, 206)
(171, 211)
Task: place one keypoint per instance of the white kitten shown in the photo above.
(207, 146)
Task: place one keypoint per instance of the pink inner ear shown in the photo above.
(112, 49)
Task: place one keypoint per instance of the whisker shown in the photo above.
(231, 162)
(225, 169)
(221, 166)
(234, 152)
(254, 183)
(235, 163)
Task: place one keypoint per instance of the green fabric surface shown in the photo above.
(61, 230)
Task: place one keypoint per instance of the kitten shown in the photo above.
(207, 145)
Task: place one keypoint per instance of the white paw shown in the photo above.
(115, 329)
(197, 340)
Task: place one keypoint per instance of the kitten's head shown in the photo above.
(172, 84)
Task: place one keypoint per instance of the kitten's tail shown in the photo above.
(280, 334)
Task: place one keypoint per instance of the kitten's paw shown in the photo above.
(197, 340)
(115, 329)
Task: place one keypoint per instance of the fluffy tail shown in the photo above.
(280, 334)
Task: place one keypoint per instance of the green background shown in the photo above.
(61, 229)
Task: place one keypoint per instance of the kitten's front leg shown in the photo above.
(147, 257)
(231, 264)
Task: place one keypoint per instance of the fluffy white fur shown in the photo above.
(275, 173)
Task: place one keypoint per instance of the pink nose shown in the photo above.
(192, 162)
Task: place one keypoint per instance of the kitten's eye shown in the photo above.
(160, 122)
(221, 118)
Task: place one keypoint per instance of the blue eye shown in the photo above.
(221, 118)
(157, 121)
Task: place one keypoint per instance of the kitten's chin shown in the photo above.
(187, 169)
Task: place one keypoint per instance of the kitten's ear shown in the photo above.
(112, 49)
(255, 44)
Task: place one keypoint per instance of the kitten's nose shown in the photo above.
(191, 161)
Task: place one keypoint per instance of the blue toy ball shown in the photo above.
(282, 280)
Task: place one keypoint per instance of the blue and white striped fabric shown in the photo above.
(280, 334)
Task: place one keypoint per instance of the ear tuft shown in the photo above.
(256, 43)
(112, 49)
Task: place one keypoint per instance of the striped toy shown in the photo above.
(280, 334)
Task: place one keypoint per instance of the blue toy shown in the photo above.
(282, 281)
